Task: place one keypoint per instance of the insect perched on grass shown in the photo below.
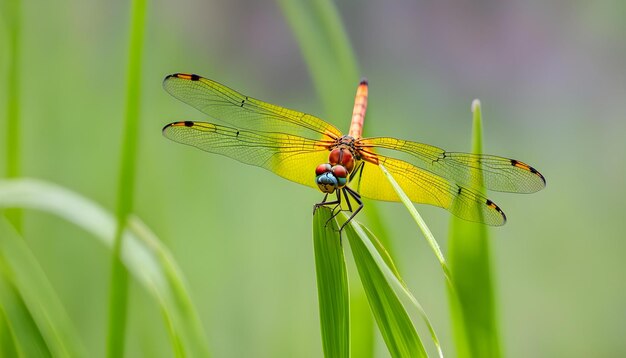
(292, 144)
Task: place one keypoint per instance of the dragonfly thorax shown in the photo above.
(334, 174)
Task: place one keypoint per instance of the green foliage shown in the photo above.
(143, 255)
(34, 314)
(332, 284)
(473, 306)
(118, 287)
(391, 316)
(383, 286)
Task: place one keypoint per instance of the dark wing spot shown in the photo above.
(195, 77)
(188, 124)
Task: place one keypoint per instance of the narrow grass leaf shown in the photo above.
(38, 320)
(474, 320)
(393, 320)
(384, 261)
(326, 50)
(8, 342)
(12, 16)
(430, 238)
(23, 338)
(332, 285)
(118, 286)
(148, 261)
(398, 283)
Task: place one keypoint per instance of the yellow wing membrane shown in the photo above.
(241, 111)
(424, 187)
(495, 173)
(292, 157)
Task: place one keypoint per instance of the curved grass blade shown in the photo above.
(474, 320)
(393, 320)
(39, 324)
(149, 262)
(430, 238)
(400, 285)
(7, 338)
(332, 285)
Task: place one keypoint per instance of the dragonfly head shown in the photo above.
(329, 177)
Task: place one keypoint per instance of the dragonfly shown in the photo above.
(292, 144)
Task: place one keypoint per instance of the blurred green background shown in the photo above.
(551, 79)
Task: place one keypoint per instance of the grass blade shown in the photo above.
(13, 16)
(118, 287)
(7, 338)
(148, 261)
(393, 320)
(38, 321)
(474, 321)
(430, 238)
(326, 50)
(332, 285)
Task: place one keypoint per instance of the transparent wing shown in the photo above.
(241, 111)
(425, 187)
(292, 157)
(465, 169)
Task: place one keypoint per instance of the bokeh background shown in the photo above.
(550, 75)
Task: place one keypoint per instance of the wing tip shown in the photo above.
(524, 166)
(178, 124)
(495, 207)
(183, 76)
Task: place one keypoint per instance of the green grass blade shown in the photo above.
(147, 260)
(8, 342)
(393, 320)
(399, 284)
(13, 16)
(34, 312)
(474, 321)
(23, 339)
(332, 285)
(118, 287)
(430, 238)
(326, 50)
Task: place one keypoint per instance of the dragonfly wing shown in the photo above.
(292, 157)
(471, 170)
(424, 187)
(241, 111)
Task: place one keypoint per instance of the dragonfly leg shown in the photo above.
(347, 200)
(335, 212)
(338, 206)
(358, 200)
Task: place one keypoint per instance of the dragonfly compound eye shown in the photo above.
(327, 182)
(322, 168)
(341, 156)
(341, 173)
